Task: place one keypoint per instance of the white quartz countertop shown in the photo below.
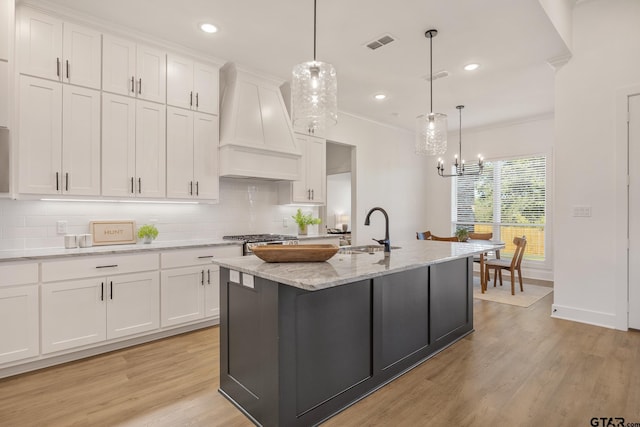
(346, 268)
(47, 253)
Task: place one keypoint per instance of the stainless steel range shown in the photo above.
(253, 240)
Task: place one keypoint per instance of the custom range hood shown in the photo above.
(256, 136)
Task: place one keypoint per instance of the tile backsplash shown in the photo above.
(246, 206)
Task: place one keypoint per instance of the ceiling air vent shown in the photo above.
(436, 75)
(379, 42)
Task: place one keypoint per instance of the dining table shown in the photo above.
(495, 246)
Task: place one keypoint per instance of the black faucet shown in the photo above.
(386, 242)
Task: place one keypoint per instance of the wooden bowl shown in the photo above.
(295, 253)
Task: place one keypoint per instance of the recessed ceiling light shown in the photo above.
(208, 28)
(379, 96)
(471, 67)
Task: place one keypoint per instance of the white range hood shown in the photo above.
(256, 136)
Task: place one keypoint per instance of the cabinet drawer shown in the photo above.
(18, 274)
(200, 256)
(93, 266)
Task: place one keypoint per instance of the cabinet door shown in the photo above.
(150, 149)
(118, 145)
(182, 291)
(212, 292)
(40, 45)
(118, 66)
(81, 49)
(80, 141)
(19, 320)
(151, 69)
(205, 88)
(4, 94)
(179, 82)
(300, 191)
(205, 160)
(316, 165)
(73, 314)
(180, 181)
(6, 18)
(133, 304)
(40, 147)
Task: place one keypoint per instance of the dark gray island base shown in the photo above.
(295, 357)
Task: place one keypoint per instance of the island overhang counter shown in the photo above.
(300, 342)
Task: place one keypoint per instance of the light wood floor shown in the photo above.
(519, 368)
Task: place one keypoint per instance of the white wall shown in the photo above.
(590, 158)
(388, 174)
(532, 137)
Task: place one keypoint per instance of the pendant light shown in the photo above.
(314, 91)
(458, 161)
(431, 129)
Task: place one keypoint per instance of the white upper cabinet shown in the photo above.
(311, 189)
(56, 50)
(6, 17)
(59, 145)
(192, 85)
(192, 155)
(133, 147)
(133, 70)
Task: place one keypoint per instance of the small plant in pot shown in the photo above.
(147, 233)
(304, 220)
(462, 234)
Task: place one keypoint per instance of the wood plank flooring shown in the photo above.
(519, 368)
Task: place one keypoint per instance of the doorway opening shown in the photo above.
(339, 214)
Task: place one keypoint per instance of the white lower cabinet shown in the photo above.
(190, 284)
(19, 312)
(87, 311)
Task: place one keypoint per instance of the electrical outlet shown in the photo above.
(61, 227)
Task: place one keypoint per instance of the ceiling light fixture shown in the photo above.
(314, 91)
(471, 67)
(431, 129)
(209, 28)
(379, 96)
(460, 164)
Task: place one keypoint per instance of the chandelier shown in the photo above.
(431, 129)
(460, 164)
(314, 91)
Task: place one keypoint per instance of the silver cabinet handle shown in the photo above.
(107, 266)
(140, 86)
(133, 89)
(205, 256)
(57, 181)
(139, 185)
(58, 67)
(197, 98)
(66, 181)
(191, 188)
(202, 278)
(111, 289)
(132, 190)
(67, 68)
(313, 195)
(208, 276)
(197, 188)
(102, 291)
(190, 98)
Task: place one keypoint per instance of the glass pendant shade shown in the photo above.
(314, 95)
(431, 134)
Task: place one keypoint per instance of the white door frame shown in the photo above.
(622, 206)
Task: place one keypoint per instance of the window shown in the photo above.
(507, 199)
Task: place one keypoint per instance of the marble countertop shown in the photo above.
(47, 253)
(346, 268)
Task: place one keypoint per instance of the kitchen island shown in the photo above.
(300, 342)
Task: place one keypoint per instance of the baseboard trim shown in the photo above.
(595, 318)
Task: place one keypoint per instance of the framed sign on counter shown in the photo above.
(113, 232)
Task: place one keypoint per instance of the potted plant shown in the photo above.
(303, 220)
(462, 234)
(147, 233)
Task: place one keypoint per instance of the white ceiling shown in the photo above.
(511, 39)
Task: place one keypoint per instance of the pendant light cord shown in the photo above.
(314, 30)
(430, 72)
(460, 107)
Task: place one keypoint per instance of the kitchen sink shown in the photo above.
(364, 249)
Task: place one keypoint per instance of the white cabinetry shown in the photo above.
(6, 39)
(192, 85)
(192, 155)
(59, 138)
(4, 93)
(56, 50)
(311, 189)
(190, 284)
(19, 312)
(134, 70)
(133, 147)
(79, 310)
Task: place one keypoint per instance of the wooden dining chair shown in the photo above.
(512, 265)
(426, 235)
(480, 236)
(444, 239)
(423, 235)
(483, 236)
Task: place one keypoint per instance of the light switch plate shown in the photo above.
(582, 211)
